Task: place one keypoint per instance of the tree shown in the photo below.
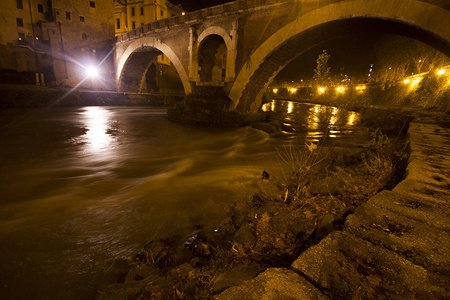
(322, 72)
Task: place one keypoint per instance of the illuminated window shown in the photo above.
(92, 4)
(84, 37)
(19, 22)
(19, 4)
(118, 23)
(142, 11)
(132, 11)
(68, 15)
(41, 8)
(81, 19)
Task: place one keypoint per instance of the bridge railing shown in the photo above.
(227, 8)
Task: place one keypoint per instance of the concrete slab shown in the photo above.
(351, 268)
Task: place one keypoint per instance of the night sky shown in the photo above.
(191, 5)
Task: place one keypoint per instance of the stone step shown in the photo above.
(416, 241)
(351, 268)
(274, 283)
(433, 212)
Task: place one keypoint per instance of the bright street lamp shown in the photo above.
(92, 72)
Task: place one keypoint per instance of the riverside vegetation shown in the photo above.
(280, 216)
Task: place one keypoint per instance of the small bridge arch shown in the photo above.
(137, 58)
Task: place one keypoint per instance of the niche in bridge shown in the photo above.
(212, 59)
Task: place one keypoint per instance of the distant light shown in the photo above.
(360, 88)
(340, 89)
(275, 91)
(292, 90)
(441, 72)
(321, 90)
(183, 13)
(406, 81)
(92, 72)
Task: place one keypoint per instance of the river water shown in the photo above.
(82, 189)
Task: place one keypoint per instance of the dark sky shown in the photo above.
(191, 5)
(351, 55)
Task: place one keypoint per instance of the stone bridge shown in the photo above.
(242, 45)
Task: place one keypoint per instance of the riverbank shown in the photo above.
(396, 245)
(268, 236)
(43, 96)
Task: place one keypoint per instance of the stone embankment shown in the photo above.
(38, 96)
(395, 246)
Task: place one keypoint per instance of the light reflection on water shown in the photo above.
(320, 120)
(97, 139)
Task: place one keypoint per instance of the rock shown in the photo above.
(180, 256)
(188, 289)
(158, 253)
(326, 226)
(156, 288)
(235, 276)
(202, 250)
(290, 221)
(245, 236)
(178, 271)
(140, 272)
(274, 283)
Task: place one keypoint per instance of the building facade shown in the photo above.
(130, 14)
(57, 40)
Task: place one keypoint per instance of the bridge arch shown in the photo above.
(138, 57)
(420, 20)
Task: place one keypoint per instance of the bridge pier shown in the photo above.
(210, 106)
